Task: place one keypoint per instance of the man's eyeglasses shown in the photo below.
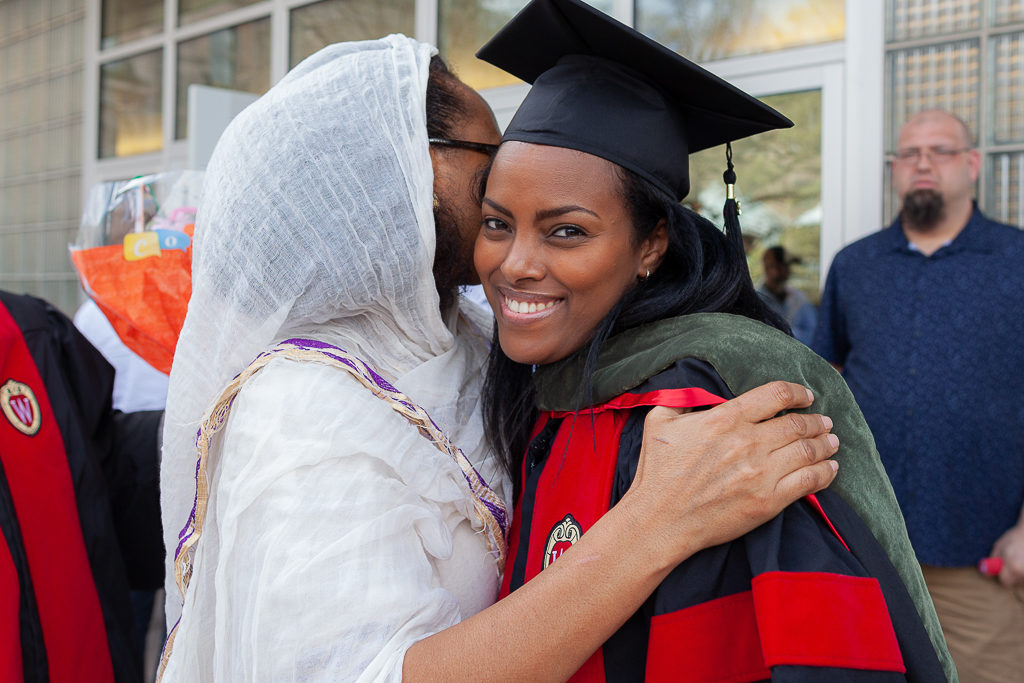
(938, 155)
(465, 144)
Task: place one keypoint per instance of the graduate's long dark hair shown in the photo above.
(700, 272)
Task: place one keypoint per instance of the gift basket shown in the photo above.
(133, 254)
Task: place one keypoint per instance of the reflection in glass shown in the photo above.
(124, 20)
(463, 26)
(943, 76)
(1006, 55)
(236, 58)
(194, 10)
(130, 92)
(1005, 200)
(778, 186)
(920, 18)
(333, 21)
(706, 30)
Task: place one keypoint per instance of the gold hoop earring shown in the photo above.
(437, 202)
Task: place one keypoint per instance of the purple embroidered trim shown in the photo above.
(184, 533)
(499, 514)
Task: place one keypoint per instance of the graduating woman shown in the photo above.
(610, 298)
(340, 516)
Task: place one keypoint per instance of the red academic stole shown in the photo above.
(32, 452)
(587, 453)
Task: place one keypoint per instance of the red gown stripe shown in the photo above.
(44, 503)
(584, 456)
(787, 619)
(580, 475)
(716, 640)
(823, 619)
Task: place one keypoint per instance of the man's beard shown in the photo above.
(450, 266)
(923, 209)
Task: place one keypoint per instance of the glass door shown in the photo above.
(779, 186)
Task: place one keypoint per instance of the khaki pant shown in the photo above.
(983, 622)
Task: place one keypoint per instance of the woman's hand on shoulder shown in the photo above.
(708, 477)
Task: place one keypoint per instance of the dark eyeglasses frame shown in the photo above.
(482, 147)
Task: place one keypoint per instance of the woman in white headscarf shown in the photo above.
(318, 224)
(329, 531)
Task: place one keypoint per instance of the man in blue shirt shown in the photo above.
(925, 319)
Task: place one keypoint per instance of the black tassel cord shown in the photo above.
(731, 210)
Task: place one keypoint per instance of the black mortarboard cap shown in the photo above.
(603, 88)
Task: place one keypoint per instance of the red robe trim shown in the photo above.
(690, 397)
(788, 618)
(588, 504)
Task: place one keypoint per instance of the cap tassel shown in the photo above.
(731, 210)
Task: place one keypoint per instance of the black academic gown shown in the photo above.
(809, 596)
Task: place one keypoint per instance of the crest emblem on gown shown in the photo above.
(20, 407)
(561, 537)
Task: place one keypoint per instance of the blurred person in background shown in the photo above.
(789, 302)
(79, 508)
(925, 320)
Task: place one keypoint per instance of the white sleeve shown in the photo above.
(328, 519)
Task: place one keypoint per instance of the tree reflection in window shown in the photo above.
(706, 30)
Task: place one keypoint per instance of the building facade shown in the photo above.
(97, 90)
(42, 53)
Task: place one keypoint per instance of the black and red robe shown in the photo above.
(79, 504)
(808, 596)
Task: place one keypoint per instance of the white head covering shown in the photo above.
(316, 222)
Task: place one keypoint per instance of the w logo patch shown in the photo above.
(562, 537)
(20, 407)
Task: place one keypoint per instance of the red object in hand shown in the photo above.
(990, 566)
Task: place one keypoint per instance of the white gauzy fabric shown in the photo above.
(336, 534)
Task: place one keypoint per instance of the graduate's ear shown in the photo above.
(653, 249)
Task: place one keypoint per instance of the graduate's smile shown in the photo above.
(522, 307)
